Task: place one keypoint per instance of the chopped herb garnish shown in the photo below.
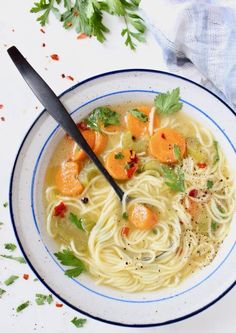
(1, 223)
(2, 291)
(35, 279)
(67, 258)
(174, 178)
(5, 204)
(41, 299)
(102, 116)
(22, 306)
(139, 115)
(10, 246)
(217, 156)
(209, 184)
(21, 260)
(167, 103)
(78, 322)
(11, 280)
(176, 151)
(77, 222)
(214, 225)
(125, 216)
(154, 231)
(119, 155)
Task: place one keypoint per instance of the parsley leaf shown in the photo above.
(42, 299)
(174, 178)
(77, 222)
(46, 6)
(177, 152)
(2, 291)
(22, 306)
(67, 258)
(168, 103)
(11, 280)
(5, 205)
(217, 156)
(139, 115)
(214, 225)
(10, 246)
(21, 260)
(78, 322)
(102, 116)
(119, 155)
(209, 184)
(125, 216)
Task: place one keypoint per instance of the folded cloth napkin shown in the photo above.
(198, 39)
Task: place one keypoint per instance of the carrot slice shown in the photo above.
(77, 153)
(162, 145)
(67, 180)
(117, 167)
(193, 208)
(100, 143)
(138, 127)
(142, 217)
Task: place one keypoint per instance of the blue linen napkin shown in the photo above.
(205, 38)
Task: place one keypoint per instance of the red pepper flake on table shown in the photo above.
(82, 36)
(43, 31)
(26, 276)
(1, 106)
(70, 78)
(59, 305)
(54, 57)
(2, 118)
(43, 44)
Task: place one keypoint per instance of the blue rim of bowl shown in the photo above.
(171, 321)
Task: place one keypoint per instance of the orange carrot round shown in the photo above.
(142, 217)
(116, 163)
(77, 153)
(100, 143)
(163, 142)
(67, 180)
(138, 127)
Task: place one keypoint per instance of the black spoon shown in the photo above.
(56, 109)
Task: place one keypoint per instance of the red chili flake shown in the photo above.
(133, 157)
(1, 106)
(59, 305)
(193, 193)
(82, 36)
(163, 136)
(124, 231)
(130, 172)
(82, 125)
(60, 210)
(63, 76)
(201, 165)
(42, 30)
(76, 13)
(54, 57)
(26, 276)
(68, 24)
(13, 30)
(70, 77)
(43, 45)
(2, 118)
(181, 222)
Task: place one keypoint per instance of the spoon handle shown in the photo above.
(56, 109)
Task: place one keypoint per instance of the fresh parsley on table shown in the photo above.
(86, 17)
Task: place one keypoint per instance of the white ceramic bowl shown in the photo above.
(103, 303)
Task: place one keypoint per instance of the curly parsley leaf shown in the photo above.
(78, 322)
(22, 306)
(76, 221)
(41, 299)
(139, 115)
(67, 258)
(46, 7)
(174, 178)
(168, 103)
(21, 260)
(11, 280)
(102, 116)
(10, 246)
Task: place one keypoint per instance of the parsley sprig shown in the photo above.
(67, 258)
(174, 178)
(86, 16)
(102, 116)
(168, 103)
(139, 115)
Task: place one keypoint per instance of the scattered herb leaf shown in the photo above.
(10, 246)
(67, 258)
(174, 178)
(154, 231)
(217, 156)
(22, 306)
(125, 216)
(2, 291)
(78, 322)
(139, 115)
(209, 184)
(119, 155)
(214, 225)
(5, 205)
(11, 280)
(21, 260)
(41, 299)
(77, 222)
(176, 151)
(35, 279)
(167, 103)
(102, 116)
